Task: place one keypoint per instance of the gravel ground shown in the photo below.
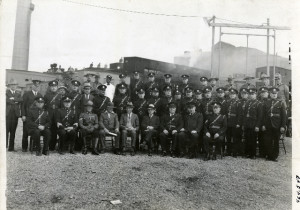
(142, 182)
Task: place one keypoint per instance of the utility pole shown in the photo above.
(268, 33)
(212, 47)
(247, 56)
(220, 50)
(274, 57)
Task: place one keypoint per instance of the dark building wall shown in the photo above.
(144, 66)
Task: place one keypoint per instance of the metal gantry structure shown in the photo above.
(212, 22)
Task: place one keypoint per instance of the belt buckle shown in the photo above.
(271, 115)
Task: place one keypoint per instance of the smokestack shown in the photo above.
(22, 35)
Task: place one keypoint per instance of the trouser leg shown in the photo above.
(275, 137)
(261, 145)
(163, 141)
(174, 142)
(133, 139)
(102, 140)
(268, 143)
(181, 142)
(47, 135)
(25, 136)
(36, 134)
(62, 137)
(71, 138)
(229, 135)
(12, 131)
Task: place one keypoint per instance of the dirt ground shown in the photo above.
(142, 182)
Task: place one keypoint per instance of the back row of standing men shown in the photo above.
(161, 98)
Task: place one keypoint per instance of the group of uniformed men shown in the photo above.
(179, 118)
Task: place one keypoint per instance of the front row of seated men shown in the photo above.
(187, 133)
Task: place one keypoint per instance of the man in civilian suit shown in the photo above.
(109, 123)
(129, 124)
(13, 100)
(28, 100)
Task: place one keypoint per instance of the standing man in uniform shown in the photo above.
(263, 98)
(109, 125)
(13, 101)
(283, 93)
(240, 131)
(274, 124)
(214, 131)
(101, 101)
(203, 83)
(170, 124)
(231, 111)
(207, 103)
(52, 104)
(140, 109)
(86, 95)
(221, 99)
(67, 124)
(110, 88)
(121, 100)
(252, 120)
(156, 100)
(177, 100)
(88, 122)
(230, 84)
(166, 99)
(76, 96)
(150, 85)
(187, 99)
(248, 83)
(167, 82)
(95, 85)
(213, 84)
(122, 83)
(135, 85)
(38, 123)
(185, 84)
(28, 100)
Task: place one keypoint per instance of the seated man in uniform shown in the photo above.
(150, 126)
(109, 125)
(67, 123)
(39, 125)
(88, 123)
(189, 135)
(129, 124)
(214, 131)
(170, 125)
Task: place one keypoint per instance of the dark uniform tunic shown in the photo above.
(100, 104)
(76, 101)
(207, 107)
(35, 118)
(135, 85)
(252, 118)
(12, 115)
(165, 104)
(182, 87)
(28, 100)
(120, 102)
(216, 123)
(52, 104)
(157, 102)
(67, 117)
(170, 123)
(183, 105)
(274, 117)
(231, 111)
(140, 109)
(117, 93)
(199, 106)
(222, 101)
(148, 88)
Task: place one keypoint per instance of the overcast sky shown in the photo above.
(76, 35)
